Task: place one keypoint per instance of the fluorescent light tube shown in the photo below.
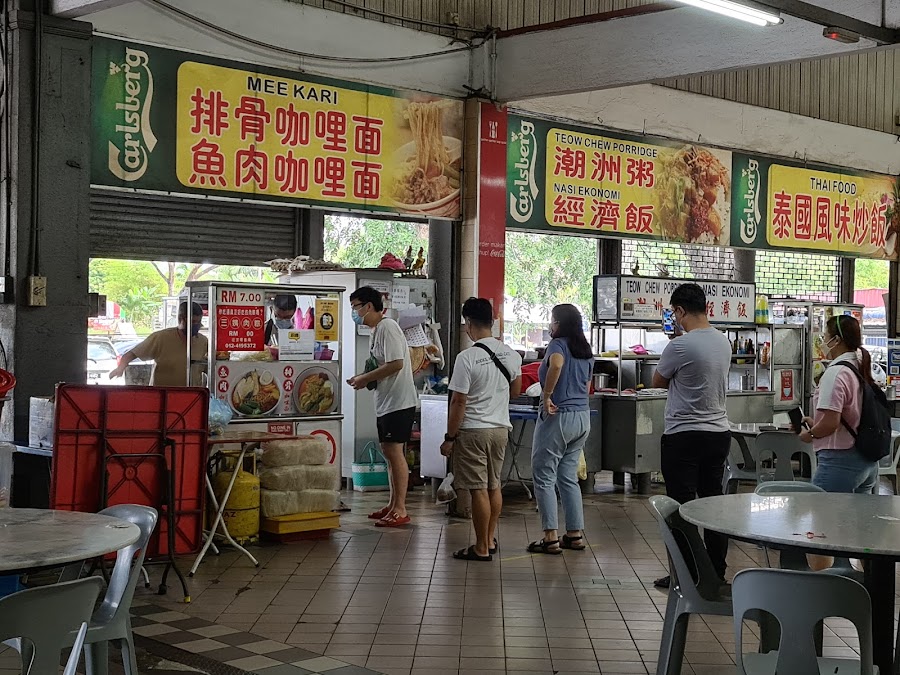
(736, 10)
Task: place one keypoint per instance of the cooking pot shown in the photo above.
(601, 381)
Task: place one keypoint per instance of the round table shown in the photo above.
(40, 538)
(850, 525)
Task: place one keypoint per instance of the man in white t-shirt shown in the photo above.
(389, 372)
(485, 376)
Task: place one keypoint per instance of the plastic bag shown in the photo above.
(446, 493)
(219, 415)
(582, 467)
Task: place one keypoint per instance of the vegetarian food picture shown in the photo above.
(315, 392)
(256, 393)
(692, 191)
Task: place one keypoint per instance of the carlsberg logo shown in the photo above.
(750, 215)
(525, 189)
(130, 147)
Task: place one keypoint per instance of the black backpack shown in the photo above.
(873, 437)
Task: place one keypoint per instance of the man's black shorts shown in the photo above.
(396, 427)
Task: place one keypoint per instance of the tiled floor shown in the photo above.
(395, 602)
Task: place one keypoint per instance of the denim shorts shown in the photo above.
(845, 471)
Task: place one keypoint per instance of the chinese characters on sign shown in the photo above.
(240, 321)
(601, 184)
(818, 210)
(643, 299)
(249, 133)
(240, 329)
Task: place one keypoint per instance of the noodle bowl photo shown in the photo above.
(429, 176)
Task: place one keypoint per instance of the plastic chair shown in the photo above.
(800, 601)
(888, 465)
(112, 620)
(734, 474)
(781, 447)
(694, 589)
(49, 619)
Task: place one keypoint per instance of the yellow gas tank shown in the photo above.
(241, 513)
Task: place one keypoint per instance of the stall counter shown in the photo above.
(634, 424)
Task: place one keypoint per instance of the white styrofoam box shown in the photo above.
(40, 422)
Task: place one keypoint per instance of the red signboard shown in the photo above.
(240, 328)
(492, 207)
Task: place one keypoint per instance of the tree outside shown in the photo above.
(138, 286)
(361, 242)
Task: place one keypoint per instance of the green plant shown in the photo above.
(140, 304)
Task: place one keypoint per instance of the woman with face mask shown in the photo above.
(837, 404)
(284, 307)
(561, 430)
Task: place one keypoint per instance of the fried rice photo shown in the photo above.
(693, 187)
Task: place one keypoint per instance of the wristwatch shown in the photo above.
(449, 439)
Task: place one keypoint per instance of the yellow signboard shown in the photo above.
(328, 320)
(250, 133)
(620, 187)
(829, 212)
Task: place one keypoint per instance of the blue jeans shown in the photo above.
(558, 442)
(845, 471)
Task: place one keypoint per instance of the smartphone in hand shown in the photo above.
(796, 415)
(668, 321)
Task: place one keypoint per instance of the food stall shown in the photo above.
(808, 320)
(411, 301)
(627, 334)
(292, 389)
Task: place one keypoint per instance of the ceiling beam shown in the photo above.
(648, 48)
(73, 9)
(826, 17)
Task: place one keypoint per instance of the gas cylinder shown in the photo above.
(241, 513)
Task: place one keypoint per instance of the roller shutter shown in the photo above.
(136, 226)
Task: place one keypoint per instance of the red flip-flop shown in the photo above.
(393, 520)
(380, 513)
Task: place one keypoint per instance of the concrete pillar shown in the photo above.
(46, 345)
(443, 261)
(744, 265)
(468, 262)
(610, 253)
(848, 280)
(310, 228)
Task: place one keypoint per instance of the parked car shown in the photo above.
(101, 358)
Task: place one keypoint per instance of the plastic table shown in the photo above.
(32, 539)
(249, 442)
(849, 525)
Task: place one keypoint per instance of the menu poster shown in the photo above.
(240, 320)
(642, 299)
(328, 319)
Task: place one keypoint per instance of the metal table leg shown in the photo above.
(218, 522)
(516, 444)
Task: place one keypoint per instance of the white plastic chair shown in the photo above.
(781, 447)
(739, 454)
(888, 465)
(800, 601)
(47, 620)
(687, 594)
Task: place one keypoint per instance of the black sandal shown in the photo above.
(544, 547)
(572, 543)
(495, 549)
(469, 554)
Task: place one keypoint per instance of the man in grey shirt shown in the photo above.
(694, 368)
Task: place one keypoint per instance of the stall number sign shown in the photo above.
(240, 321)
(643, 300)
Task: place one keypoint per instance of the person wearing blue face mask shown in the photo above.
(389, 371)
(168, 349)
(284, 307)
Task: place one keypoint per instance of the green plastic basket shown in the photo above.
(370, 476)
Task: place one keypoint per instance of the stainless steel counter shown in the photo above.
(633, 425)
